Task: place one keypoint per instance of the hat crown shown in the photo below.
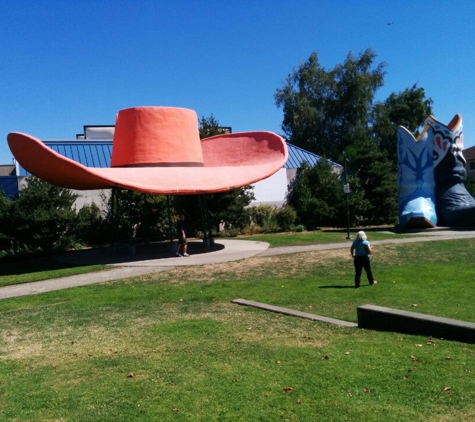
(156, 136)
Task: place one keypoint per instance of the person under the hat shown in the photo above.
(361, 250)
(182, 236)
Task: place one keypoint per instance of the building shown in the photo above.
(469, 155)
(9, 180)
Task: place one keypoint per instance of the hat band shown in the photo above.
(170, 164)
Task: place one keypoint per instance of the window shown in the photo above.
(472, 165)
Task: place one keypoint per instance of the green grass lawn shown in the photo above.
(171, 346)
(321, 236)
(36, 269)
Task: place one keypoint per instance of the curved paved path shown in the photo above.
(145, 261)
(428, 236)
(148, 260)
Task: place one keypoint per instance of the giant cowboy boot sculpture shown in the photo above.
(454, 205)
(416, 181)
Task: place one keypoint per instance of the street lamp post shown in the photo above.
(346, 189)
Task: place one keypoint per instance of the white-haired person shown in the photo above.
(361, 250)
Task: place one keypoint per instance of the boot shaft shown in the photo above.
(415, 181)
(447, 142)
(416, 168)
(454, 205)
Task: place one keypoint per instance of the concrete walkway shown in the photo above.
(425, 236)
(148, 260)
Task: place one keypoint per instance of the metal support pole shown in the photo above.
(112, 218)
(171, 231)
(115, 212)
(146, 223)
(207, 229)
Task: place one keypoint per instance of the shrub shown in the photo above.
(5, 239)
(298, 228)
(130, 214)
(261, 214)
(42, 218)
(285, 217)
(271, 226)
(252, 229)
(317, 196)
(91, 228)
(229, 232)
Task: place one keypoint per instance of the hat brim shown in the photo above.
(230, 161)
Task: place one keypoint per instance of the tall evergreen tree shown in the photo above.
(325, 111)
(317, 196)
(225, 208)
(43, 216)
(408, 108)
(5, 226)
(334, 113)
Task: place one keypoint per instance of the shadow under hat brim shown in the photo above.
(230, 161)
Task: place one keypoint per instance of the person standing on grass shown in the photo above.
(182, 239)
(361, 251)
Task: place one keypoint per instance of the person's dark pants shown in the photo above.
(360, 263)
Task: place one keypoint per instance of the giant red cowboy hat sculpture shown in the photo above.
(158, 150)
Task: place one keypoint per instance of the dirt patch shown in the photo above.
(57, 346)
(281, 266)
(277, 266)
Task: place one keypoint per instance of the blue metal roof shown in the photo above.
(298, 155)
(87, 153)
(99, 153)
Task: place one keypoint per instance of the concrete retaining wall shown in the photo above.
(386, 319)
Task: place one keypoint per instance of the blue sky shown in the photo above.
(65, 64)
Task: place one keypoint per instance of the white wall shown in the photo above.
(272, 190)
(89, 196)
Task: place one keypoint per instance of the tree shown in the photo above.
(374, 191)
(317, 196)
(131, 214)
(225, 208)
(230, 208)
(209, 126)
(334, 113)
(325, 111)
(4, 223)
(408, 108)
(42, 218)
(91, 228)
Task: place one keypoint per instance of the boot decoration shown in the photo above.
(454, 205)
(416, 181)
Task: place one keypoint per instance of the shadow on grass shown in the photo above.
(122, 254)
(38, 269)
(31, 265)
(342, 287)
(100, 256)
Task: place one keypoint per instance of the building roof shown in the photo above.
(469, 153)
(88, 153)
(7, 169)
(98, 153)
(297, 156)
